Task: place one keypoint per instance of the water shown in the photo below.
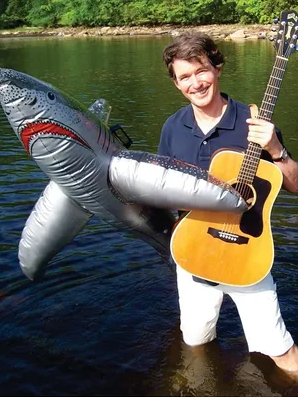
(104, 321)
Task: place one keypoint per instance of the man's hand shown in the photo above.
(263, 133)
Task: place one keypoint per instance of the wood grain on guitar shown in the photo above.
(238, 249)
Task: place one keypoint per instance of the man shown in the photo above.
(210, 122)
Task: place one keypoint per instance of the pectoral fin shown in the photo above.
(54, 221)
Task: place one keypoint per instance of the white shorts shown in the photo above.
(257, 305)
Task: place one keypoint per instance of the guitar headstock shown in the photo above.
(286, 39)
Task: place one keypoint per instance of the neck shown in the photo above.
(211, 112)
(209, 117)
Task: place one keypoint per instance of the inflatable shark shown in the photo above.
(91, 173)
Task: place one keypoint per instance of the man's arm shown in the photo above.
(289, 168)
(263, 133)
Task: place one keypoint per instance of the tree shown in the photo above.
(15, 13)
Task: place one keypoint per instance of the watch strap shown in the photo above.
(283, 155)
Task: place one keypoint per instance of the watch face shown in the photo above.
(284, 154)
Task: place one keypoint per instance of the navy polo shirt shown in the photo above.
(183, 139)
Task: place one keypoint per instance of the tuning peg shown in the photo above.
(271, 38)
(273, 29)
(275, 20)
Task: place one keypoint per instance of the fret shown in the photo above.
(275, 96)
(269, 103)
(264, 110)
(250, 163)
(283, 69)
(272, 86)
(265, 118)
(276, 78)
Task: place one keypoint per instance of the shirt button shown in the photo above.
(204, 143)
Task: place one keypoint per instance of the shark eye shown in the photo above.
(51, 97)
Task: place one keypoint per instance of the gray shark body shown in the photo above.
(90, 174)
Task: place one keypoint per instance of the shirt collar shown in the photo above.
(227, 121)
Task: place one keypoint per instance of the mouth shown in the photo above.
(48, 129)
(202, 92)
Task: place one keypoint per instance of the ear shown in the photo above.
(219, 71)
(176, 84)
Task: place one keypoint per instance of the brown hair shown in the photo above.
(192, 47)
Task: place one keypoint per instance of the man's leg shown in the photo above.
(289, 360)
(199, 309)
(263, 324)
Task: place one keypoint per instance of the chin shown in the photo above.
(202, 103)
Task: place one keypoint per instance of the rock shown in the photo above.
(174, 33)
(218, 32)
(262, 34)
(239, 34)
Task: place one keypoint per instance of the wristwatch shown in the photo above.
(283, 155)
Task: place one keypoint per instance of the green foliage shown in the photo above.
(14, 13)
(249, 10)
(51, 13)
(272, 9)
(43, 13)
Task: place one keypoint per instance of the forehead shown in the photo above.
(181, 66)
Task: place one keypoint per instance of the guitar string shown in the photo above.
(272, 89)
(255, 150)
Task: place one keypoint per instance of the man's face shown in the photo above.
(197, 81)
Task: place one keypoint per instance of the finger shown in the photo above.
(259, 142)
(258, 122)
(258, 130)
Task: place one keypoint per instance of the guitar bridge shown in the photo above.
(227, 237)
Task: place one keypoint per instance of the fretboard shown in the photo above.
(253, 153)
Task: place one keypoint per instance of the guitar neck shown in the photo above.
(253, 154)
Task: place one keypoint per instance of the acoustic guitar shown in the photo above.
(231, 249)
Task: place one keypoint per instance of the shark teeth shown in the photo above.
(47, 128)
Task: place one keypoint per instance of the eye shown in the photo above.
(183, 78)
(51, 97)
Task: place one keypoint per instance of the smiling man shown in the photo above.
(210, 122)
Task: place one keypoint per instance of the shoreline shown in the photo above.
(224, 32)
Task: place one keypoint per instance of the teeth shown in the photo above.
(203, 91)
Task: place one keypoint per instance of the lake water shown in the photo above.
(105, 320)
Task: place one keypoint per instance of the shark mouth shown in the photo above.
(49, 129)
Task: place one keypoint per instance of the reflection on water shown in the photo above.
(104, 321)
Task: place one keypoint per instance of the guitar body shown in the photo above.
(226, 248)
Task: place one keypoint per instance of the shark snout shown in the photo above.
(4, 78)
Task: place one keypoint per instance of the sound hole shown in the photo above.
(246, 192)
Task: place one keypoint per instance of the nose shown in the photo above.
(195, 80)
